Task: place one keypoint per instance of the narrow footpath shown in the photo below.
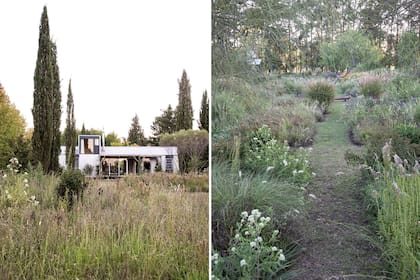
(333, 234)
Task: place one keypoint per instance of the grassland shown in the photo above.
(133, 228)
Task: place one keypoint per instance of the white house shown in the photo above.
(92, 156)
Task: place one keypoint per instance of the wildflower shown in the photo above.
(270, 168)
(244, 214)
(300, 171)
(25, 193)
(233, 249)
(26, 185)
(240, 174)
(25, 181)
(256, 212)
(267, 219)
(396, 188)
(312, 196)
(32, 197)
(6, 191)
(9, 196)
(313, 174)
(35, 202)
(275, 232)
(251, 219)
(237, 236)
(274, 249)
(252, 244)
(284, 162)
(25, 173)
(243, 263)
(282, 257)
(259, 239)
(246, 233)
(294, 172)
(215, 257)
(296, 211)
(264, 182)
(5, 175)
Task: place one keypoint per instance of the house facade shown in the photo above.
(96, 159)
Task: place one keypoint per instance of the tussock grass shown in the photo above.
(117, 232)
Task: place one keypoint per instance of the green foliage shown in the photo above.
(408, 52)
(263, 153)
(184, 110)
(164, 123)
(12, 128)
(253, 252)
(70, 131)
(322, 92)
(112, 139)
(47, 101)
(192, 148)
(349, 88)
(292, 86)
(405, 87)
(396, 195)
(233, 193)
(136, 134)
(72, 184)
(350, 50)
(204, 112)
(371, 86)
(417, 115)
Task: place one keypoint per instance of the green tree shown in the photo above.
(12, 128)
(408, 51)
(70, 131)
(46, 109)
(164, 123)
(351, 49)
(192, 148)
(204, 112)
(136, 134)
(112, 139)
(184, 110)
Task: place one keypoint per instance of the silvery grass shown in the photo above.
(397, 198)
(117, 232)
(234, 192)
(253, 252)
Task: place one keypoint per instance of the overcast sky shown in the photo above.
(123, 57)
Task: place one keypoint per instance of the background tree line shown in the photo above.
(289, 34)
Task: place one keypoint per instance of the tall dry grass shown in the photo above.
(120, 231)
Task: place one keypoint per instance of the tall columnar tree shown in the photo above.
(184, 110)
(204, 112)
(46, 109)
(136, 134)
(70, 131)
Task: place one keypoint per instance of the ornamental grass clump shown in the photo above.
(254, 252)
(322, 92)
(371, 86)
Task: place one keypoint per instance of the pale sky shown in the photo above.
(123, 57)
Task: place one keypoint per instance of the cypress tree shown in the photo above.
(135, 134)
(204, 112)
(164, 123)
(43, 103)
(184, 110)
(56, 94)
(70, 131)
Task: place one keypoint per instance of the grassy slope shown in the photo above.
(333, 236)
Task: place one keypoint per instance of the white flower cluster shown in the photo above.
(14, 165)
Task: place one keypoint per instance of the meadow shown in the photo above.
(147, 227)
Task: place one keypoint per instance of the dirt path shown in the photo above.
(333, 234)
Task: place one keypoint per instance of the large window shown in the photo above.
(89, 145)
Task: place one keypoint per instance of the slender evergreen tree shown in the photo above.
(204, 112)
(70, 131)
(136, 134)
(46, 109)
(184, 110)
(164, 123)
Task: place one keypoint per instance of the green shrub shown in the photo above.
(253, 252)
(404, 87)
(292, 86)
(71, 184)
(321, 91)
(371, 86)
(349, 87)
(233, 193)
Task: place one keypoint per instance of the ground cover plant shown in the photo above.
(127, 229)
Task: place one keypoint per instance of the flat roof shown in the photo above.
(130, 151)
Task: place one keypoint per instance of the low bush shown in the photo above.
(254, 252)
(234, 192)
(371, 86)
(292, 86)
(71, 185)
(322, 92)
(349, 87)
